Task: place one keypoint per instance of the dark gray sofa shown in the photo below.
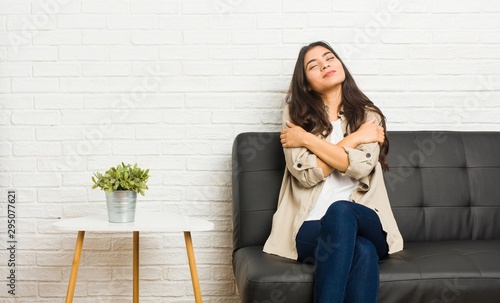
(444, 189)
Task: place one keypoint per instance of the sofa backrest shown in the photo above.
(258, 167)
(442, 185)
(445, 185)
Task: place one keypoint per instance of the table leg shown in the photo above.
(74, 267)
(192, 266)
(136, 267)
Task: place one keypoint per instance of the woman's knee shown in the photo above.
(339, 209)
(340, 221)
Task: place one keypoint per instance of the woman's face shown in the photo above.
(323, 70)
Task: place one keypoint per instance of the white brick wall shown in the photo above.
(86, 84)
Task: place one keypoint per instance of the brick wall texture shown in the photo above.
(87, 84)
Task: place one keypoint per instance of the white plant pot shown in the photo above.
(121, 206)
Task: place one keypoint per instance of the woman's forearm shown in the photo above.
(330, 156)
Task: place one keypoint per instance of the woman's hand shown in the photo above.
(370, 132)
(293, 136)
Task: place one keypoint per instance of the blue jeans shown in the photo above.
(345, 245)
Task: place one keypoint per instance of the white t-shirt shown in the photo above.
(336, 187)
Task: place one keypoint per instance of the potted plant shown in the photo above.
(121, 184)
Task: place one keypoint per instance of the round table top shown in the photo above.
(144, 221)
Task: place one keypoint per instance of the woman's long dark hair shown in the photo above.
(307, 108)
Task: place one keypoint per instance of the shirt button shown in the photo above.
(299, 165)
(368, 155)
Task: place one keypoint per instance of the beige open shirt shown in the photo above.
(302, 183)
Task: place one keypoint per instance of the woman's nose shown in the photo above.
(325, 66)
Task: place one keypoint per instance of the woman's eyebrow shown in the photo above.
(312, 60)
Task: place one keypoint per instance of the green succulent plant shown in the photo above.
(122, 177)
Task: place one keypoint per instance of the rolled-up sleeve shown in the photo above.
(303, 165)
(364, 157)
(301, 162)
(362, 160)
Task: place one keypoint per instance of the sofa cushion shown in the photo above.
(267, 278)
(447, 271)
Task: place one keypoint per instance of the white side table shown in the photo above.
(144, 221)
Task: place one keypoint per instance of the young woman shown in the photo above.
(333, 209)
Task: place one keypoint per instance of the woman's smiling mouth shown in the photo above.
(328, 74)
